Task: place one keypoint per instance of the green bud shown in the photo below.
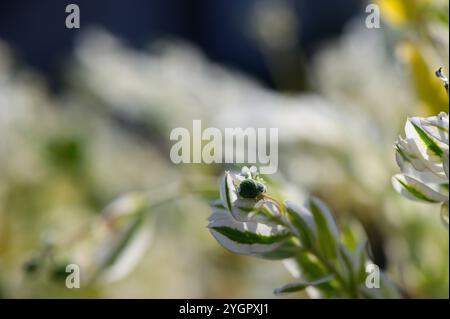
(250, 188)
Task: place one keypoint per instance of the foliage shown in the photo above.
(423, 159)
(265, 228)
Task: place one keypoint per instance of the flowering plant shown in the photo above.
(423, 159)
(246, 220)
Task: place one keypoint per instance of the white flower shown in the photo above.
(423, 159)
(249, 172)
(243, 225)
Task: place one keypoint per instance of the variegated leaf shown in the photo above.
(416, 190)
(302, 223)
(246, 237)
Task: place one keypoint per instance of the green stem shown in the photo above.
(349, 288)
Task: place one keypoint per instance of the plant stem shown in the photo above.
(350, 289)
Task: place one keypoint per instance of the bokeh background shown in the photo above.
(85, 117)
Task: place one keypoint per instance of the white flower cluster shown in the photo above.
(242, 225)
(248, 221)
(423, 159)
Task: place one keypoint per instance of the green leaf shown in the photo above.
(227, 191)
(302, 221)
(359, 261)
(289, 248)
(312, 268)
(327, 231)
(247, 237)
(436, 127)
(299, 286)
(428, 141)
(346, 262)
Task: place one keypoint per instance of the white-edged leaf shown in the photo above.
(288, 249)
(242, 208)
(414, 129)
(252, 210)
(299, 286)
(122, 249)
(302, 223)
(437, 127)
(327, 230)
(245, 237)
(414, 151)
(418, 169)
(228, 193)
(416, 190)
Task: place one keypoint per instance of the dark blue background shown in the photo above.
(36, 29)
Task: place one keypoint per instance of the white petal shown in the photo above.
(245, 170)
(254, 170)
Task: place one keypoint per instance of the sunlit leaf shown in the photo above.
(327, 230)
(299, 286)
(302, 222)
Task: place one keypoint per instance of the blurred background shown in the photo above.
(85, 117)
